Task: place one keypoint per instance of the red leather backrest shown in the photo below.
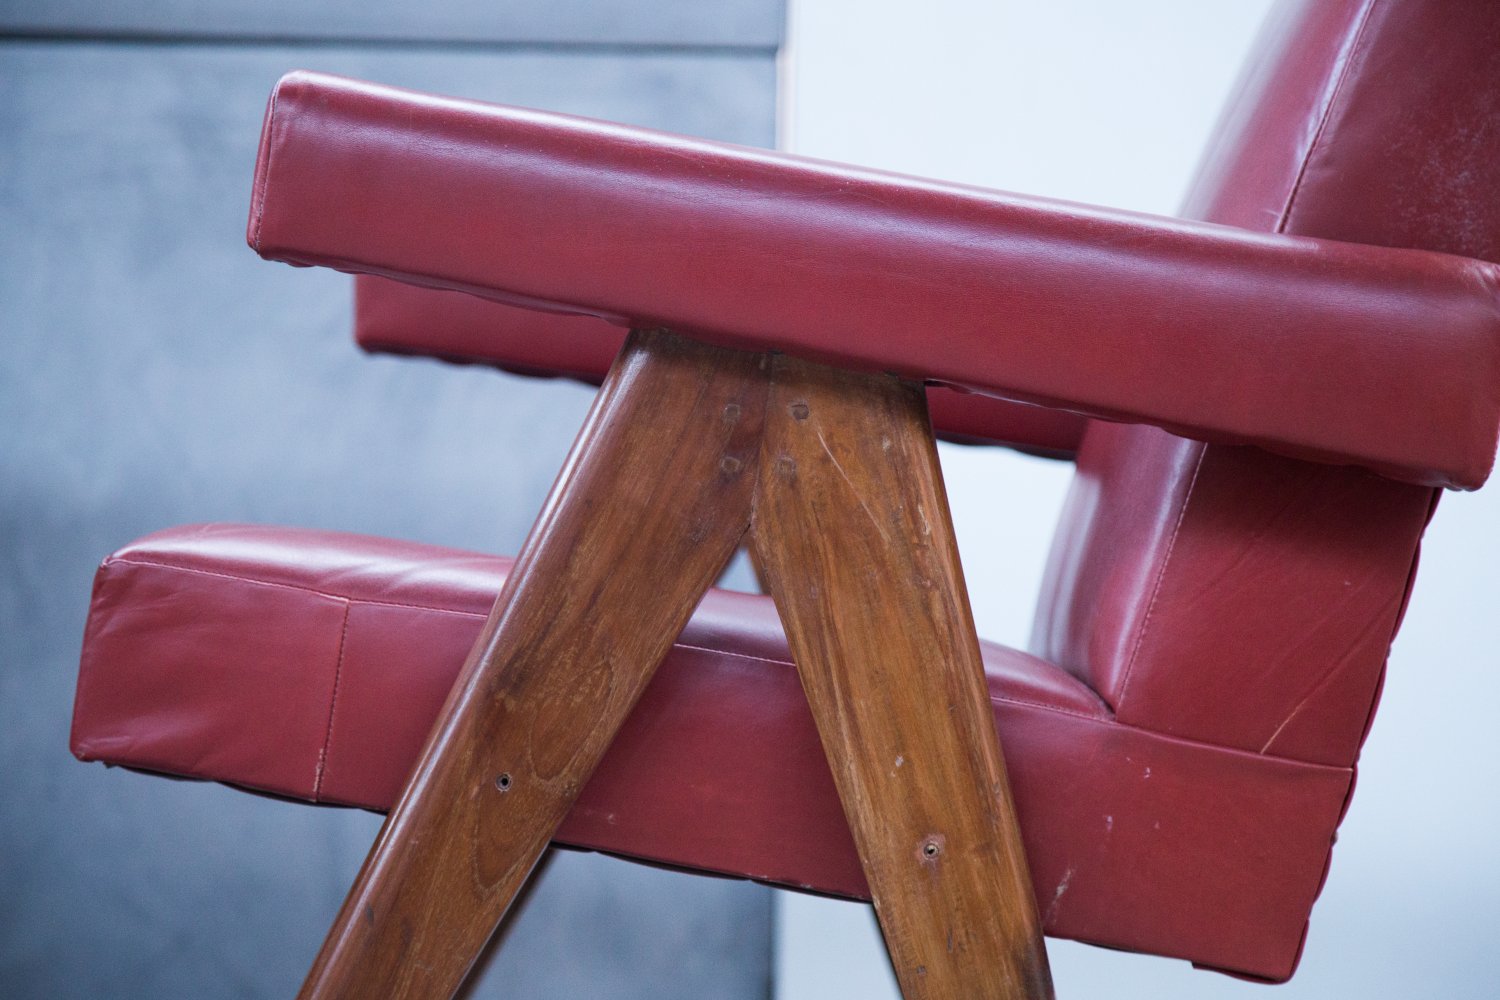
(1223, 593)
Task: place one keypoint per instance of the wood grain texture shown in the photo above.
(853, 531)
(652, 501)
(687, 446)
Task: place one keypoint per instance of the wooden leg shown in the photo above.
(852, 527)
(653, 499)
(684, 448)
(518, 907)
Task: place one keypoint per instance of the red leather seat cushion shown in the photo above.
(312, 664)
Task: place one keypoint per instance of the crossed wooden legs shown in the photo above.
(686, 447)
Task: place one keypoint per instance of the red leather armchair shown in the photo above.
(1277, 394)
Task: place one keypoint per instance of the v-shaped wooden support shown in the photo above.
(687, 447)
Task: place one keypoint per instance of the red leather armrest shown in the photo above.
(1322, 350)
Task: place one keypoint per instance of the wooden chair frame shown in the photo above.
(687, 448)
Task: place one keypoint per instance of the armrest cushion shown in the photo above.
(1321, 350)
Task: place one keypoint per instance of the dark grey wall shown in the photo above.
(154, 372)
(745, 24)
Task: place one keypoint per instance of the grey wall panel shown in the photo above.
(734, 23)
(153, 371)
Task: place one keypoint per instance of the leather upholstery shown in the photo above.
(1372, 121)
(1226, 594)
(1212, 634)
(312, 664)
(395, 318)
(1312, 348)
(1373, 143)
(1229, 594)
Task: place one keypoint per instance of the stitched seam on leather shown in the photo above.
(1140, 636)
(347, 600)
(91, 627)
(1327, 866)
(252, 581)
(260, 217)
(333, 701)
(1052, 708)
(1249, 757)
(1241, 752)
(1106, 717)
(1323, 116)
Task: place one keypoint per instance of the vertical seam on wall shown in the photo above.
(1325, 114)
(1140, 636)
(333, 700)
